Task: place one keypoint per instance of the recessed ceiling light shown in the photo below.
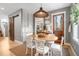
(2, 8)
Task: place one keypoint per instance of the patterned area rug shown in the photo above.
(21, 51)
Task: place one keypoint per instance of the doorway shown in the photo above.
(14, 27)
(11, 28)
(58, 26)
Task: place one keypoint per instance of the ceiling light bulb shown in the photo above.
(41, 12)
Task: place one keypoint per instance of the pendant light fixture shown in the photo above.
(41, 13)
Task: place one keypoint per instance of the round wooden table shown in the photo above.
(46, 37)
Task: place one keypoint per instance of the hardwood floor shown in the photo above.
(10, 48)
(21, 51)
(5, 45)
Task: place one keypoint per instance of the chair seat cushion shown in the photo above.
(43, 50)
(56, 46)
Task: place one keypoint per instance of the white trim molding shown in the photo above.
(71, 50)
(18, 42)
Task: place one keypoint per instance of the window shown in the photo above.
(75, 32)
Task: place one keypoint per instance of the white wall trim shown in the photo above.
(18, 42)
(58, 13)
(71, 50)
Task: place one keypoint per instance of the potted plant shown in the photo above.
(75, 13)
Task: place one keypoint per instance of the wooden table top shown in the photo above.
(48, 37)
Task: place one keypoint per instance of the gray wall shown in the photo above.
(66, 20)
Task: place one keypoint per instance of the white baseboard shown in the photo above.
(19, 42)
(71, 50)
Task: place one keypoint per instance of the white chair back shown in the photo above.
(40, 46)
(30, 44)
(29, 41)
(62, 39)
(58, 46)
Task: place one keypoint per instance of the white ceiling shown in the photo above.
(30, 7)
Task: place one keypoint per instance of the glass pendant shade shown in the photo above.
(41, 13)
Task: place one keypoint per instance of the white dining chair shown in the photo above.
(41, 48)
(30, 44)
(57, 46)
(49, 43)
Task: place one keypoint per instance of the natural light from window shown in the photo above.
(75, 33)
